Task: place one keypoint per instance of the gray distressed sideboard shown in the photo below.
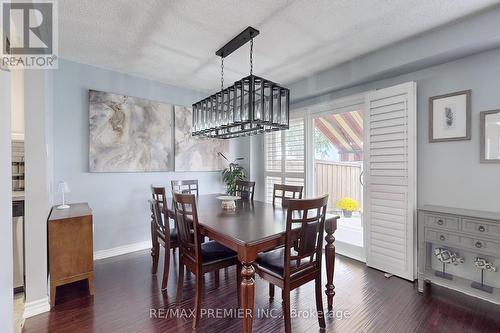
(471, 234)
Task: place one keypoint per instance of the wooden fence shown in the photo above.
(338, 179)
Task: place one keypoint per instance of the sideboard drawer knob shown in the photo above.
(440, 222)
(481, 228)
(442, 237)
(479, 244)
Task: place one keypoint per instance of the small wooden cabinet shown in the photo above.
(70, 244)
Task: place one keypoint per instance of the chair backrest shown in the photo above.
(245, 189)
(186, 218)
(159, 194)
(304, 234)
(185, 186)
(286, 192)
(159, 221)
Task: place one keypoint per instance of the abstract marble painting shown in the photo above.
(194, 153)
(129, 134)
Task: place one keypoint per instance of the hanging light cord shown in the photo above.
(251, 56)
(222, 74)
(222, 65)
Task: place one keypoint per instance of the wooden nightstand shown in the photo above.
(70, 247)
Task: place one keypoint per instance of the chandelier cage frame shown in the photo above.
(252, 105)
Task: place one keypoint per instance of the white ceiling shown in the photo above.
(174, 41)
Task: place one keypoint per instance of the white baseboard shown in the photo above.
(117, 251)
(36, 307)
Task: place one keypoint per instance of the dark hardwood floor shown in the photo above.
(126, 294)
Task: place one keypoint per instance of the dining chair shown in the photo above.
(199, 258)
(286, 192)
(185, 186)
(245, 189)
(300, 260)
(161, 234)
(283, 193)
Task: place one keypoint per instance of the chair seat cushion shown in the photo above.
(213, 251)
(173, 234)
(274, 261)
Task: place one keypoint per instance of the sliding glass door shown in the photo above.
(361, 151)
(323, 151)
(338, 166)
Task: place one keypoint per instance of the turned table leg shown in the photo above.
(330, 227)
(247, 295)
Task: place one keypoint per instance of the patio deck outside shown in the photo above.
(341, 179)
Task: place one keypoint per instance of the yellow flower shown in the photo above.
(348, 204)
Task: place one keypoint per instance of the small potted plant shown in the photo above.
(348, 205)
(232, 174)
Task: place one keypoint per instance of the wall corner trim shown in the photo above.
(117, 251)
(36, 307)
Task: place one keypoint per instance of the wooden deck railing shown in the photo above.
(338, 179)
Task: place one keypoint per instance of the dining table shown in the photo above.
(254, 227)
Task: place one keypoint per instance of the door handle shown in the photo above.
(361, 178)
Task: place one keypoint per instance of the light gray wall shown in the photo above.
(17, 116)
(6, 284)
(118, 200)
(257, 156)
(38, 174)
(240, 147)
(449, 173)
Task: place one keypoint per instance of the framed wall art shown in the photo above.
(195, 153)
(129, 134)
(450, 117)
(490, 136)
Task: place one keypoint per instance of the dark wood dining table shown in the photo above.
(254, 227)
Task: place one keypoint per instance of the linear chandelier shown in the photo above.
(252, 105)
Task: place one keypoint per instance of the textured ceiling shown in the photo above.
(175, 41)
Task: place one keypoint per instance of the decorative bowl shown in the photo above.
(228, 202)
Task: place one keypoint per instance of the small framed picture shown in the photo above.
(450, 117)
(490, 136)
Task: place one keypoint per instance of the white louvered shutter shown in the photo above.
(285, 157)
(390, 179)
